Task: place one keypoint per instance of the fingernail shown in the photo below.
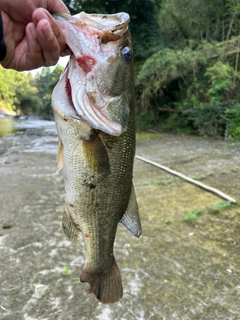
(47, 31)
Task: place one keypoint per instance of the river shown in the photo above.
(186, 264)
(11, 125)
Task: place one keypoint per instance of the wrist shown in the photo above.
(3, 48)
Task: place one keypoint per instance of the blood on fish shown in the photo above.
(86, 63)
(86, 235)
(68, 89)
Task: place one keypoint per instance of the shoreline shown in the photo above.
(7, 112)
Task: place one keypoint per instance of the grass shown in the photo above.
(214, 208)
(167, 221)
(33, 191)
(221, 205)
(65, 270)
(44, 292)
(202, 176)
(192, 214)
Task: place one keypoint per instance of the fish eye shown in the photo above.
(127, 54)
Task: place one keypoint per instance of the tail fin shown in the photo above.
(107, 286)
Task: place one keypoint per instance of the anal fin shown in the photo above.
(70, 228)
(131, 219)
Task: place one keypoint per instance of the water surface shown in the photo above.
(10, 125)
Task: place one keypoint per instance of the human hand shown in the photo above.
(33, 38)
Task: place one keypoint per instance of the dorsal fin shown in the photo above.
(131, 219)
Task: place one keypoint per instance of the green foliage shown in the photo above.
(13, 87)
(202, 176)
(223, 204)
(162, 182)
(168, 65)
(24, 94)
(30, 103)
(45, 82)
(215, 208)
(220, 82)
(233, 117)
(192, 215)
(146, 120)
(167, 221)
(178, 123)
(65, 271)
(182, 20)
(196, 73)
(32, 191)
(209, 114)
(207, 88)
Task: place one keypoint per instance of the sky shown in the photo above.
(62, 62)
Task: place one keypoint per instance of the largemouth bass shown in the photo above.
(93, 106)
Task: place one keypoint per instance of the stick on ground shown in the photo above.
(199, 184)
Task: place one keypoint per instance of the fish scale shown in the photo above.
(96, 154)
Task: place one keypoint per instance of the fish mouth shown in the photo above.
(110, 22)
(113, 26)
(109, 26)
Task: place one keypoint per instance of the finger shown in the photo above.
(41, 14)
(33, 57)
(49, 44)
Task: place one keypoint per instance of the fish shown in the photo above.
(93, 106)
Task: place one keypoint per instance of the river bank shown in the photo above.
(5, 111)
(178, 269)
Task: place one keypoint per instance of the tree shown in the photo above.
(13, 87)
(183, 20)
(45, 82)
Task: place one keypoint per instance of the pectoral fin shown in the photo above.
(96, 155)
(70, 228)
(131, 219)
(60, 156)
